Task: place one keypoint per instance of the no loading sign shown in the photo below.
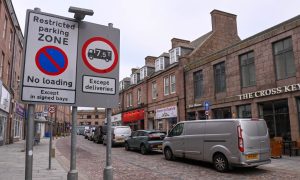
(100, 55)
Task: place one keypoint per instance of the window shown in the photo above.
(244, 111)
(284, 58)
(160, 64)
(129, 99)
(222, 113)
(198, 84)
(134, 79)
(88, 116)
(166, 86)
(154, 90)
(247, 69)
(177, 130)
(96, 123)
(10, 40)
(7, 73)
(17, 129)
(4, 27)
(173, 85)
(121, 85)
(174, 54)
(1, 65)
(143, 73)
(96, 116)
(139, 96)
(220, 79)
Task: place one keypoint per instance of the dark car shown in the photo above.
(145, 141)
(100, 131)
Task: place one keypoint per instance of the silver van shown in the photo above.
(223, 142)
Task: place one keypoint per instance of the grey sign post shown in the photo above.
(29, 143)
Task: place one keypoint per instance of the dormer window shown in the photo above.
(143, 73)
(133, 79)
(159, 64)
(174, 55)
(121, 87)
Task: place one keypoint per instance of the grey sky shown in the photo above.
(147, 26)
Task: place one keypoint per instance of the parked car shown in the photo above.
(86, 132)
(80, 130)
(90, 135)
(99, 133)
(119, 135)
(145, 141)
(223, 142)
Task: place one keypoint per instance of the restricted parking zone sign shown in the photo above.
(49, 74)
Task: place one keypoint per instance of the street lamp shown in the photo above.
(79, 13)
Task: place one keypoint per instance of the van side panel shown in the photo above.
(221, 136)
(193, 140)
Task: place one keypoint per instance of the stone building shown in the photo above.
(255, 78)
(91, 117)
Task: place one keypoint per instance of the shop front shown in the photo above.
(134, 119)
(166, 118)
(19, 118)
(116, 120)
(4, 110)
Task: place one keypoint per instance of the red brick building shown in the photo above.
(257, 77)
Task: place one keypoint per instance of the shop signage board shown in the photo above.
(98, 66)
(168, 112)
(49, 74)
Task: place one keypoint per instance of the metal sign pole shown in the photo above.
(73, 173)
(108, 173)
(29, 143)
(50, 142)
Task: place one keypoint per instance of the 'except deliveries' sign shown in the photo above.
(50, 62)
(268, 92)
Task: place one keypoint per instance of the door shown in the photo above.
(176, 140)
(193, 140)
(132, 140)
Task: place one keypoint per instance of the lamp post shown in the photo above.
(79, 14)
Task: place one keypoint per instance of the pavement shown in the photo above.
(12, 162)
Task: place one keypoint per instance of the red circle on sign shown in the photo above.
(51, 60)
(86, 62)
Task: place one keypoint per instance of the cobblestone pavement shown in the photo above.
(132, 165)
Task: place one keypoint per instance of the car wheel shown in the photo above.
(127, 148)
(143, 149)
(220, 163)
(168, 154)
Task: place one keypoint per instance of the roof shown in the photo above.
(200, 40)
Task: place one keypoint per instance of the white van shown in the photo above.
(223, 142)
(119, 135)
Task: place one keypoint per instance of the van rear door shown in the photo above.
(256, 140)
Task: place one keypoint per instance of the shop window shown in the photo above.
(220, 77)
(191, 116)
(244, 111)
(198, 84)
(247, 67)
(276, 115)
(284, 58)
(222, 113)
(160, 125)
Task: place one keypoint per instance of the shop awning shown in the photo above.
(133, 116)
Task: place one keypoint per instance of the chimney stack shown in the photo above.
(223, 21)
(179, 43)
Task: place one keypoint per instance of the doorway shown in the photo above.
(276, 115)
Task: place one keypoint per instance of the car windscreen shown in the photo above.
(122, 130)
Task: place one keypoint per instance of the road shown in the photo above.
(132, 165)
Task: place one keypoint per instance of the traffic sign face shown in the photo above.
(206, 105)
(100, 55)
(51, 109)
(51, 60)
(49, 74)
(98, 66)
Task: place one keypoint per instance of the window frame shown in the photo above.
(174, 54)
(171, 84)
(244, 108)
(139, 96)
(4, 27)
(218, 77)
(198, 93)
(166, 85)
(283, 53)
(154, 90)
(247, 67)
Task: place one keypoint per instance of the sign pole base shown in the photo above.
(108, 173)
(73, 175)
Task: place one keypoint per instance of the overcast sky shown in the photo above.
(147, 26)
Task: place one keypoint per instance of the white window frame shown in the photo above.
(159, 64)
(134, 78)
(130, 99)
(139, 96)
(166, 85)
(172, 91)
(143, 73)
(154, 90)
(174, 54)
(121, 87)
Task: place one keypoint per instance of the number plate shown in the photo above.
(252, 157)
(159, 147)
